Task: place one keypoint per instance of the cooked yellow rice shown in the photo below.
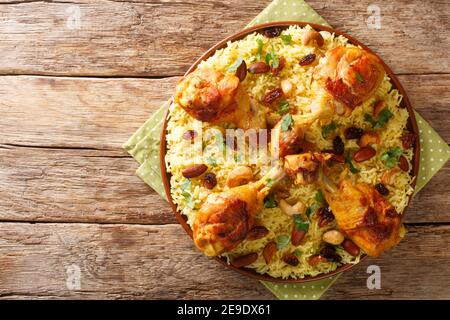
(180, 153)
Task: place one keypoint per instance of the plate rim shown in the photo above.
(238, 36)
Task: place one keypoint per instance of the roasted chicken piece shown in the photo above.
(212, 96)
(225, 218)
(305, 168)
(350, 75)
(367, 218)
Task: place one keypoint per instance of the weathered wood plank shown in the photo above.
(155, 38)
(103, 113)
(121, 261)
(73, 185)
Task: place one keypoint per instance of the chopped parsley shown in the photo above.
(328, 129)
(312, 209)
(286, 122)
(300, 224)
(297, 252)
(212, 161)
(390, 158)
(348, 161)
(287, 39)
(269, 201)
(359, 77)
(272, 59)
(319, 197)
(383, 117)
(260, 48)
(282, 241)
(235, 65)
(283, 107)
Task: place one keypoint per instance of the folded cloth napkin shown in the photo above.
(143, 146)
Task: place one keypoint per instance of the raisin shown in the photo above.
(272, 95)
(210, 181)
(271, 32)
(329, 253)
(290, 259)
(338, 145)
(307, 60)
(353, 133)
(325, 216)
(381, 189)
(408, 140)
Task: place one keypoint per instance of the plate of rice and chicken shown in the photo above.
(290, 152)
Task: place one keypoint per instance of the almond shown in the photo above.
(316, 259)
(269, 251)
(364, 154)
(403, 163)
(245, 260)
(257, 232)
(297, 236)
(241, 71)
(259, 67)
(194, 170)
(350, 247)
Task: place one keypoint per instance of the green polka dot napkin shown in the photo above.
(144, 147)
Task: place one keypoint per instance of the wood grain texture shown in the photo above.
(162, 38)
(76, 185)
(132, 261)
(103, 113)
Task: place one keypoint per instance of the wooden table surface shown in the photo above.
(75, 222)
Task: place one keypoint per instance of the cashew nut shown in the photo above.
(333, 237)
(286, 86)
(297, 208)
(239, 175)
(312, 35)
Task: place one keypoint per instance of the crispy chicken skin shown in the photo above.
(367, 218)
(225, 218)
(212, 96)
(350, 75)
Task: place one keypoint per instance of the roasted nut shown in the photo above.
(312, 36)
(258, 68)
(272, 95)
(333, 237)
(353, 133)
(364, 154)
(269, 251)
(338, 158)
(297, 208)
(291, 260)
(209, 180)
(403, 163)
(241, 71)
(257, 232)
(239, 175)
(377, 107)
(382, 189)
(307, 60)
(190, 135)
(339, 108)
(194, 170)
(245, 260)
(297, 236)
(388, 177)
(350, 247)
(316, 259)
(408, 140)
(368, 138)
(286, 87)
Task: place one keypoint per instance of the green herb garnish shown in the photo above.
(359, 77)
(383, 117)
(287, 39)
(235, 65)
(270, 202)
(269, 182)
(186, 184)
(212, 161)
(319, 197)
(297, 252)
(260, 48)
(286, 122)
(390, 158)
(348, 161)
(329, 128)
(188, 198)
(300, 224)
(283, 107)
(282, 241)
(272, 59)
